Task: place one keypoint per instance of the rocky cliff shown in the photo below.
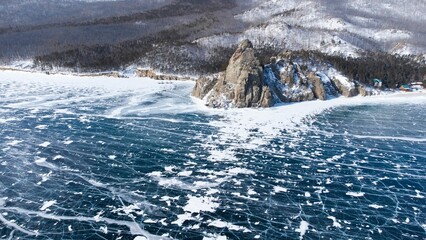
(241, 85)
(247, 84)
(149, 73)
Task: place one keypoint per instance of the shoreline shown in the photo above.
(115, 74)
(131, 71)
(133, 74)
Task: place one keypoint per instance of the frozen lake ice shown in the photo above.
(106, 158)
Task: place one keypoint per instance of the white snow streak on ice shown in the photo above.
(47, 204)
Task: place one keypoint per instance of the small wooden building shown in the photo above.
(405, 88)
(416, 86)
(377, 83)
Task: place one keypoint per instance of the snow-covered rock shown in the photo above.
(247, 84)
(241, 85)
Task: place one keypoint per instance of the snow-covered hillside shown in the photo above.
(201, 34)
(333, 27)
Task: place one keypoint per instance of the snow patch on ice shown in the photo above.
(14, 143)
(45, 177)
(128, 210)
(304, 226)
(278, 189)
(418, 194)
(201, 204)
(45, 144)
(355, 194)
(221, 224)
(47, 204)
(40, 160)
(185, 174)
(140, 238)
(335, 222)
(6, 120)
(57, 157)
(181, 218)
(238, 170)
(41, 127)
(375, 206)
(67, 142)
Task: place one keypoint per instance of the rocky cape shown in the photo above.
(247, 83)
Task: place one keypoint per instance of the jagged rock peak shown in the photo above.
(243, 47)
(245, 83)
(243, 59)
(241, 85)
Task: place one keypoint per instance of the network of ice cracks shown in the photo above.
(107, 158)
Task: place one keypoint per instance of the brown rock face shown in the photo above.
(203, 86)
(242, 84)
(145, 73)
(363, 91)
(266, 98)
(317, 86)
(151, 74)
(287, 76)
(345, 91)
